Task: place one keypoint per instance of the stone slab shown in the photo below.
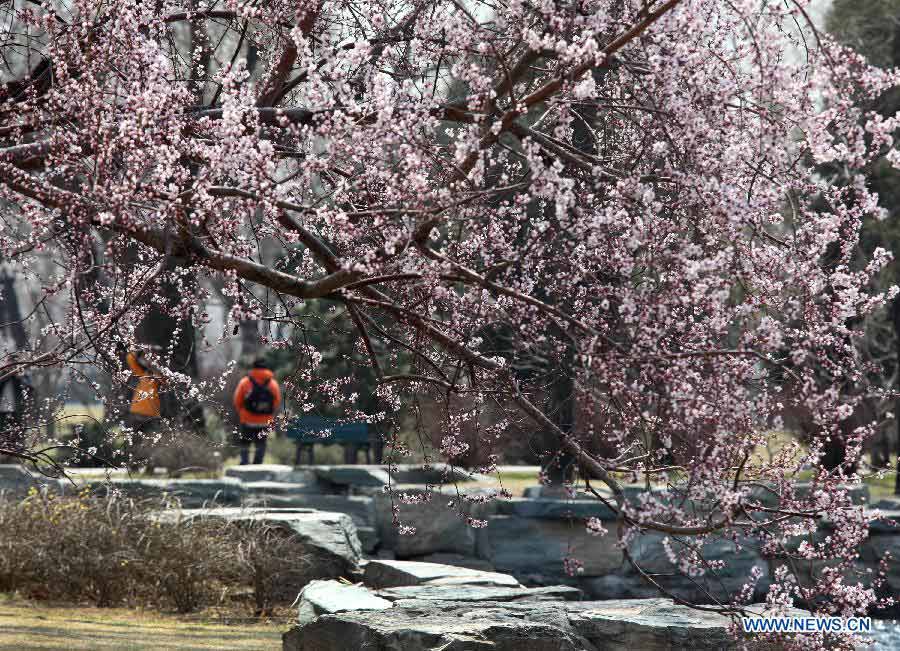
(533, 549)
(418, 625)
(362, 476)
(457, 560)
(381, 574)
(331, 537)
(439, 527)
(480, 593)
(324, 597)
(260, 472)
(190, 492)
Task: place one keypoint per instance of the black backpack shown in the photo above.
(260, 400)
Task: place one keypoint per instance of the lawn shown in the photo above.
(27, 626)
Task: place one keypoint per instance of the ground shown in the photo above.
(29, 626)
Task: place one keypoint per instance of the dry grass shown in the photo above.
(27, 626)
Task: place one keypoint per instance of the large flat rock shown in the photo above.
(381, 574)
(641, 625)
(324, 597)
(480, 593)
(353, 476)
(359, 507)
(440, 626)
(331, 538)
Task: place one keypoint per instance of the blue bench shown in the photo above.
(307, 431)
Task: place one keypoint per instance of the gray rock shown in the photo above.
(648, 552)
(641, 625)
(390, 574)
(532, 492)
(480, 593)
(457, 560)
(359, 507)
(559, 493)
(888, 504)
(435, 473)
(533, 549)
(260, 472)
(362, 476)
(189, 492)
(888, 523)
(440, 626)
(97, 471)
(324, 597)
(269, 488)
(618, 586)
(649, 625)
(439, 527)
(368, 538)
(331, 538)
(555, 509)
(384, 554)
(874, 549)
(16, 481)
(859, 494)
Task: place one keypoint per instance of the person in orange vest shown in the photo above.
(256, 400)
(144, 413)
(145, 403)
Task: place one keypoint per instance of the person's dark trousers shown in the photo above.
(257, 435)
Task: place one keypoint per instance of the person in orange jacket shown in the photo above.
(144, 413)
(256, 399)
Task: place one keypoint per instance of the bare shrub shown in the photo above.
(112, 551)
(21, 561)
(189, 562)
(72, 548)
(272, 560)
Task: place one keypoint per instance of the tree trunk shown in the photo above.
(175, 338)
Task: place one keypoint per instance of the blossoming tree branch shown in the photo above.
(623, 191)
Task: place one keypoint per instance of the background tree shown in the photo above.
(873, 29)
